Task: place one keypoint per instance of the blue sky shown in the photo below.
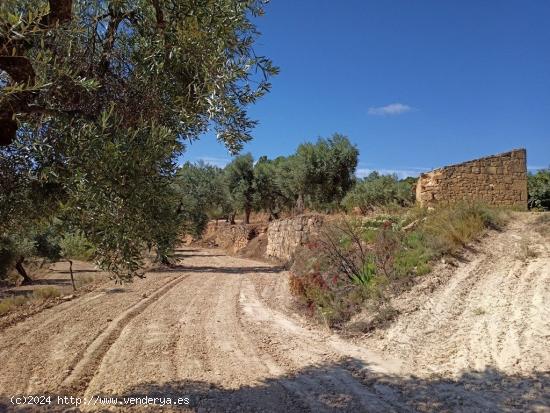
(414, 84)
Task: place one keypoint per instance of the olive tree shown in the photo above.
(98, 99)
(240, 181)
(323, 172)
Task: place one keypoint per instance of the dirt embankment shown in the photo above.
(492, 311)
(217, 330)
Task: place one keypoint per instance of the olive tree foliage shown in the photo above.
(239, 175)
(322, 172)
(269, 188)
(97, 101)
(377, 190)
(539, 189)
(203, 194)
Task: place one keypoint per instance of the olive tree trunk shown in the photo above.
(21, 270)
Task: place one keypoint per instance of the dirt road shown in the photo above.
(201, 330)
(216, 330)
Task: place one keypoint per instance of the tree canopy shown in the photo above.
(317, 177)
(377, 190)
(240, 182)
(98, 99)
(539, 189)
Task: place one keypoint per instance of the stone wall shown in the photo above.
(496, 180)
(286, 235)
(232, 238)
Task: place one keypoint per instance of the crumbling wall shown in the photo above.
(232, 238)
(286, 235)
(496, 180)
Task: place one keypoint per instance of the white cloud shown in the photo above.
(389, 110)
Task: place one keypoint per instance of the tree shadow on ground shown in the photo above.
(345, 386)
(181, 256)
(350, 386)
(219, 270)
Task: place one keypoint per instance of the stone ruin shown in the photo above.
(499, 180)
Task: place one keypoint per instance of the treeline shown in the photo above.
(318, 176)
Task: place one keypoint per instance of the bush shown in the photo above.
(11, 248)
(449, 229)
(47, 244)
(358, 263)
(76, 246)
(378, 190)
(539, 189)
(414, 255)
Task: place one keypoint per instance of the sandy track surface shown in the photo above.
(493, 310)
(217, 330)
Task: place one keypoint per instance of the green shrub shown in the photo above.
(378, 190)
(539, 189)
(414, 255)
(76, 246)
(11, 248)
(47, 244)
(366, 274)
(355, 263)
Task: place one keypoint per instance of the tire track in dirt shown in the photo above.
(43, 348)
(153, 356)
(81, 374)
(297, 348)
(490, 312)
(217, 329)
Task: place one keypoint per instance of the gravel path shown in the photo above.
(216, 332)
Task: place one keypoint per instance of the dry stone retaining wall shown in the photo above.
(496, 180)
(286, 235)
(233, 238)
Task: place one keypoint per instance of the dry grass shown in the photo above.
(83, 280)
(525, 250)
(8, 304)
(452, 228)
(479, 311)
(46, 293)
(357, 263)
(542, 224)
(37, 297)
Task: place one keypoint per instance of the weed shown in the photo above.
(356, 264)
(7, 304)
(543, 224)
(479, 311)
(525, 250)
(83, 280)
(46, 293)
